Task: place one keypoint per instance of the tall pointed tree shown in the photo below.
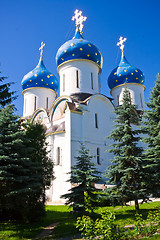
(6, 96)
(151, 127)
(126, 171)
(39, 154)
(15, 168)
(83, 176)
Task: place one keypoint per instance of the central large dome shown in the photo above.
(78, 48)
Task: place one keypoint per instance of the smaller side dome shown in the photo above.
(125, 73)
(40, 76)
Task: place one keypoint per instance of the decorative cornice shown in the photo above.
(76, 112)
(53, 133)
(78, 59)
(39, 88)
(128, 84)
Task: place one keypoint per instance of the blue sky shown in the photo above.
(25, 24)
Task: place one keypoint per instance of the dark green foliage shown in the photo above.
(6, 96)
(15, 174)
(83, 174)
(126, 171)
(152, 129)
(25, 170)
(38, 153)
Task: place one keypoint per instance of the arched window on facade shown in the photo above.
(141, 100)
(63, 82)
(47, 103)
(96, 120)
(117, 100)
(77, 79)
(91, 80)
(58, 160)
(98, 156)
(25, 104)
(35, 103)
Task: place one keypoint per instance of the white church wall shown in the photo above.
(37, 97)
(62, 141)
(136, 92)
(59, 184)
(84, 130)
(87, 77)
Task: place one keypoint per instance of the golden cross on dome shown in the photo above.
(41, 49)
(120, 43)
(79, 19)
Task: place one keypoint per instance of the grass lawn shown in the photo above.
(15, 231)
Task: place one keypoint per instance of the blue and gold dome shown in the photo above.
(40, 77)
(124, 72)
(79, 48)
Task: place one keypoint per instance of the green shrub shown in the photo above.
(103, 228)
(148, 227)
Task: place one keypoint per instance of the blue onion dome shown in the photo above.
(125, 73)
(40, 77)
(78, 48)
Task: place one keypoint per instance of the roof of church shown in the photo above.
(40, 77)
(125, 73)
(79, 48)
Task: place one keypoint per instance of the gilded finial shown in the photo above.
(120, 43)
(79, 19)
(41, 49)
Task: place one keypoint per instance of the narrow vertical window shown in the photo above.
(98, 156)
(58, 156)
(25, 104)
(117, 100)
(47, 103)
(91, 80)
(141, 100)
(96, 120)
(63, 82)
(35, 103)
(77, 79)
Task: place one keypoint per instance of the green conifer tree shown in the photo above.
(82, 195)
(151, 128)
(126, 171)
(6, 96)
(15, 168)
(38, 153)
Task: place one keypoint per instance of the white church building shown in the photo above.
(81, 113)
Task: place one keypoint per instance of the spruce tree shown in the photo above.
(15, 168)
(6, 96)
(82, 195)
(126, 170)
(151, 128)
(38, 153)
